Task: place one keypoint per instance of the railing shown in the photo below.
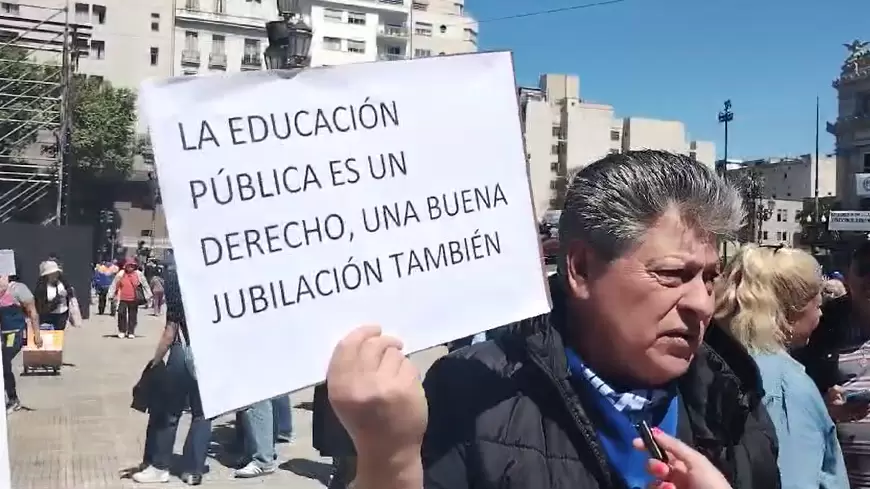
(251, 61)
(393, 31)
(217, 60)
(390, 56)
(190, 57)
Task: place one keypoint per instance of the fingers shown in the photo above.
(373, 350)
(680, 450)
(345, 354)
(391, 362)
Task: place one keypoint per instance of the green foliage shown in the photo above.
(814, 231)
(103, 129)
(29, 100)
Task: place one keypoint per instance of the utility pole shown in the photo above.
(816, 215)
(725, 117)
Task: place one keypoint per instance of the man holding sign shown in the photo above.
(553, 402)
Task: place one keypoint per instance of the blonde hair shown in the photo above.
(761, 290)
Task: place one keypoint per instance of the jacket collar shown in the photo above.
(720, 388)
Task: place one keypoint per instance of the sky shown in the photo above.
(681, 59)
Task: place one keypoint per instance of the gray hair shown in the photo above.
(611, 203)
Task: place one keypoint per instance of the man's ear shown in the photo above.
(578, 264)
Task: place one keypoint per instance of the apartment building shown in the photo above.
(354, 31)
(129, 41)
(563, 133)
(220, 35)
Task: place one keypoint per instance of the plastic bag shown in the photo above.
(75, 313)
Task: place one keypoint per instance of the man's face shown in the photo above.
(647, 310)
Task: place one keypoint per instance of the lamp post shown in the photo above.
(289, 39)
(725, 116)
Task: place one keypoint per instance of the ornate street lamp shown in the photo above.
(289, 39)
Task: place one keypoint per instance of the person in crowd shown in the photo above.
(833, 289)
(258, 437)
(17, 313)
(104, 275)
(130, 290)
(53, 294)
(282, 419)
(331, 440)
(553, 402)
(163, 421)
(157, 294)
(837, 357)
(770, 300)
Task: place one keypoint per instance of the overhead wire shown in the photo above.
(538, 13)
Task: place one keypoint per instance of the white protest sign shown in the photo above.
(7, 262)
(301, 205)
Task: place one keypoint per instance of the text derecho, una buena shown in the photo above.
(294, 233)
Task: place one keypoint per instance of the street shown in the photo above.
(77, 431)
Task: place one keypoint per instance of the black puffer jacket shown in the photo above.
(503, 415)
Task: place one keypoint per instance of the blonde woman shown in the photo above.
(770, 299)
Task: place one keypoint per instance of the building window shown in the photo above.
(220, 6)
(554, 166)
(797, 216)
(423, 29)
(614, 135)
(764, 235)
(420, 6)
(218, 44)
(155, 22)
(356, 46)
(191, 4)
(191, 41)
(394, 50)
(252, 52)
(460, 8)
(693, 155)
(552, 185)
(83, 13)
(614, 151)
(356, 18)
(867, 163)
(332, 43)
(99, 12)
(99, 49)
(155, 52)
(9, 8)
(470, 35)
(554, 149)
(333, 15)
(145, 233)
(422, 53)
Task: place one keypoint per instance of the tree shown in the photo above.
(750, 183)
(29, 94)
(104, 138)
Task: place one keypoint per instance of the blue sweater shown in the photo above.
(809, 452)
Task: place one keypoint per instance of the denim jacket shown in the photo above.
(809, 452)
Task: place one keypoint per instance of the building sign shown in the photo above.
(862, 184)
(849, 221)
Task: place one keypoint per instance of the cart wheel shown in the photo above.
(26, 370)
(56, 370)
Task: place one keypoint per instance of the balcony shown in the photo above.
(251, 62)
(390, 56)
(191, 13)
(393, 31)
(217, 61)
(190, 57)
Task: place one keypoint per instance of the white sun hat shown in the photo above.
(48, 267)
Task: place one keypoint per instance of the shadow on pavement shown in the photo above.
(309, 469)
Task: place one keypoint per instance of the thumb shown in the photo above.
(679, 449)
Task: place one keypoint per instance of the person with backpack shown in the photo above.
(17, 313)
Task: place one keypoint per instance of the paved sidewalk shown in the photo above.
(77, 430)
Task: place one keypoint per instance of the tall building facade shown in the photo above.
(788, 183)
(564, 133)
(852, 128)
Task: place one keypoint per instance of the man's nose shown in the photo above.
(698, 299)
